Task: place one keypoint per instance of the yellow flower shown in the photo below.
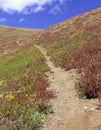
(27, 95)
(10, 96)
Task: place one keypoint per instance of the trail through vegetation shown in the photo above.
(70, 112)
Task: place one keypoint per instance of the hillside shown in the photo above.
(75, 28)
(10, 34)
(76, 44)
(67, 59)
(13, 39)
(23, 82)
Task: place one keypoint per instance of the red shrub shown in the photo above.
(33, 85)
(87, 60)
(90, 80)
(87, 54)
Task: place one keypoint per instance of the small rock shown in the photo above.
(59, 119)
(85, 107)
(77, 98)
(92, 109)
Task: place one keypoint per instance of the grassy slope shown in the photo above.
(23, 68)
(17, 64)
(76, 43)
(9, 34)
(13, 40)
(25, 89)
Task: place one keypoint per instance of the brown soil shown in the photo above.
(70, 113)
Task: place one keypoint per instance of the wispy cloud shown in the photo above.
(3, 20)
(21, 20)
(58, 8)
(29, 6)
(55, 10)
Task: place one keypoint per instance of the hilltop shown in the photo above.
(11, 34)
(13, 39)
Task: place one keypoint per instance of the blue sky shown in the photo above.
(42, 13)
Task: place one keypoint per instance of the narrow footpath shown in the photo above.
(70, 113)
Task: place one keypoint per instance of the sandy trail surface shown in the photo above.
(70, 113)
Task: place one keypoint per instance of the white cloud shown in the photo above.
(21, 20)
(33, 9)
(3, 20)
(26, 6)
(57, 8)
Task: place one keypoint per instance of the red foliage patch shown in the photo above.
(87, 59)
(33, 85)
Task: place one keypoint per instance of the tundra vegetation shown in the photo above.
(24, 99)
(76, 44)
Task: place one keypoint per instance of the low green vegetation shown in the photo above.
(16, 34)
(17, 65)
(24, 98)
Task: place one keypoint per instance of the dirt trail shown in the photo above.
(70, 113)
